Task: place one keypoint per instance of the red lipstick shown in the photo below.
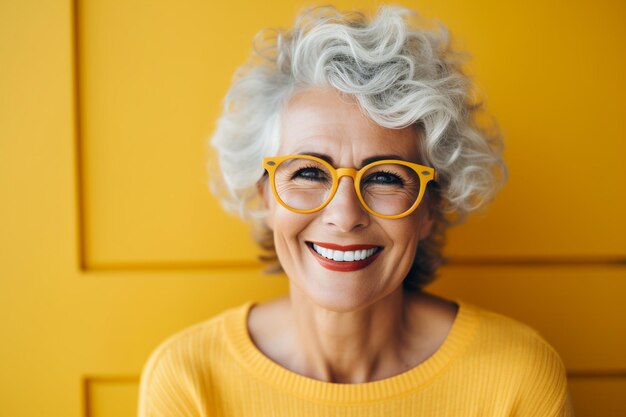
(346, 266)
(334, 246)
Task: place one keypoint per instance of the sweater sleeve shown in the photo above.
(544, 390)
(169, 386)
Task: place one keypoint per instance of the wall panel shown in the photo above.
(110, 241)
(152, 77)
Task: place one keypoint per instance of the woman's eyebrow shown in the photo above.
(325, 157)
(364, 162)
(379, 158)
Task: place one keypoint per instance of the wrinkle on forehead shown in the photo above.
(323, 120)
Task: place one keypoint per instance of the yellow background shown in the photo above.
(110, 241)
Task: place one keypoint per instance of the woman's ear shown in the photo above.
(264, 193)
(428, 215)
(426, 225)
(261, 187)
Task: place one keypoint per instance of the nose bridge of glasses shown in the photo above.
(346, 172)
(347, 196)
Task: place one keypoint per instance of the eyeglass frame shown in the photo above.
(425, 174)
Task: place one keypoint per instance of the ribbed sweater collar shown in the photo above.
(261, 367)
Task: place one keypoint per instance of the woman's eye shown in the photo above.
(312, 174)
(384, 178)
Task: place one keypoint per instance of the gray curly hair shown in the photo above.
(400, 74)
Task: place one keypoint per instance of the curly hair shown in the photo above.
(400, 73)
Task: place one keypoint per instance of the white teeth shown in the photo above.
(344, 256)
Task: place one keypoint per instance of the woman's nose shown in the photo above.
(345, 210)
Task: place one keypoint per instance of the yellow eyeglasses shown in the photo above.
(388, 188)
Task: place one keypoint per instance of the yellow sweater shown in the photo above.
(489, 365)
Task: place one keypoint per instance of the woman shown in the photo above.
(351, 144)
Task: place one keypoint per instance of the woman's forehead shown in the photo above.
(322, 111)
(325, 121)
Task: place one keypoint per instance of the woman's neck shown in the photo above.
(371, 343)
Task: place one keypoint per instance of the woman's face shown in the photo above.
(322, 122)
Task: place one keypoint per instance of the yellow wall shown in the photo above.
(110, 241)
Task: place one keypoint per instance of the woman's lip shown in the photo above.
(346, 266)
(334, 246)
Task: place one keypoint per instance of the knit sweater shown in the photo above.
(489, 365)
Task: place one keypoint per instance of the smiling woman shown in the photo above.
(325, 122)
(352, 144)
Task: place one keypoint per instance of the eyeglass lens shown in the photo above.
(388, 189)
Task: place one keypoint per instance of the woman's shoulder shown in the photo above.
(517, 350)
(178, 373)
(513, 352)
(502, 330)
(193, 344)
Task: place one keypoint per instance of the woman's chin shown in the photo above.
(338, 298)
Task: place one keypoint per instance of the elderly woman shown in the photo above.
(352, 145)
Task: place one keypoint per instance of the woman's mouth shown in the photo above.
(344, 258)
